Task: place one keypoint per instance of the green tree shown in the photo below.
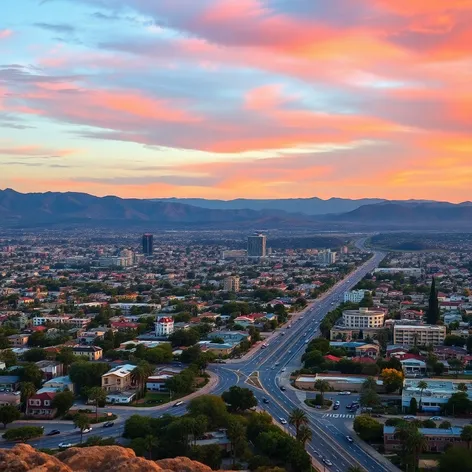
(8, 414)
(30, 372)
(367, 428)
(9, 357)
(137, 426)
(34, 355)
(67, 357)
(422, 385)
(304, 434)
(150, 443)
(413, 406)
(27, 389)
(99, 396)
(355, 468)
(298, 418)
(87, 374)
(139, 376)
(211, 406)
(63, 402)
(456, 458)
(322, 386)
(82, 422)
(445, 425)
(432, 314)
(466, 434)
(459, 404)
(237, 435)
(462, 387)
(239, 398)
(23, 433)
(429, 424)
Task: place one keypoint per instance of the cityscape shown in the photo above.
(235, 235)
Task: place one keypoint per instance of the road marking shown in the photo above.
(334, 415)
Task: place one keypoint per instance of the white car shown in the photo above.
(327, 462)
(345, 393)
(65, 445)
(436, 418)
(283, 420)
(87, 430)
(283, 369)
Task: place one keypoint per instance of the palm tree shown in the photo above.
(27, 389)
(421, 385)
(417, 443)
(140, 374)
(82, 422)
(150, 442)
(298, 418)
(466, 435)
(304, 434)
(99, 396)
(322, 386)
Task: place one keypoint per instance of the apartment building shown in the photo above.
(231, 284)
(355, 296)
(119, 378)
(93, 353)
(164, 326)
(363, 318)
(418, 335)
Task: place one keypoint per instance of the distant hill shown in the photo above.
(445, 216)
(307, 206)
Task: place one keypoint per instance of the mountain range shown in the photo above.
(55, 208)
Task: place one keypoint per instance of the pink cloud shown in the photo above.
(5, 33)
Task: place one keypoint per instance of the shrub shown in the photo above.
(23, 433)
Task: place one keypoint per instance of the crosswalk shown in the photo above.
(336, 415)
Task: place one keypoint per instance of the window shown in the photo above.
(47, 402)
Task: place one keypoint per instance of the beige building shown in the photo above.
(420, 335)
(18, 340)
(363, 318)
(93, 353)
(118, 379)
(340, 333)
(231, 284)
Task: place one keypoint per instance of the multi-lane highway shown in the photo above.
(272, 364)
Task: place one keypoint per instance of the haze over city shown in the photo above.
(246, 98)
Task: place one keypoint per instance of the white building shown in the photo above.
(42, 320)
(164, 326)
(327, 257)
(363, 318)
(355, 296)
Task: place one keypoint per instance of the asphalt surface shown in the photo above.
(273, 365)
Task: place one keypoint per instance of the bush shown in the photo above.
(23, 433)
(368, 429)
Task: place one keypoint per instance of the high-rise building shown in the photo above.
(326, 257)
(256, 246)
(147, 244)
(231, 284)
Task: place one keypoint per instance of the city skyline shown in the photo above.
(226, 99)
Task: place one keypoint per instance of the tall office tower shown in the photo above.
(256, 245)
(147, 244)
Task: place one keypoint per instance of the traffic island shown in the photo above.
(253, 380)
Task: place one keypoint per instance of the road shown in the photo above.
(273, 364)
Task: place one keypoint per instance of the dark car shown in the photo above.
(265, 400)
(108, 424)
(336, 407)
(283, 388)
(53, 432)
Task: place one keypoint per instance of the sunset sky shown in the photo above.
(237, 98)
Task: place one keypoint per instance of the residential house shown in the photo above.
(40, 406)
(157, 383)
(9, 383)
(50, 369)
(10, 399)
(93, 353)
(60, 384)
(119, 378)
(220, 438)
(18, 340)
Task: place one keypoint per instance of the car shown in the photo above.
(65, 445)
(349, 439)
(345, 393)
(180, 402)
(87, 430)
(108, 424)
(283, 369)
(436, 418)
(349, 406)
(265, 400)
(337, 402)
(283, 334)
(336, 407)
(283, 420)
(277, 363)
(409, 417)
(283, 388)
(53, 432)
(327, 462)
(318, 453)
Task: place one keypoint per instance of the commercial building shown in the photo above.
(231, 284)
(164, 326)
(355, 296)
(435, 439)
(341, 333)
(148, 241)
(363, 318)
(352, 383)
(435, 395)
(256, 246)
(234, 254)
(418, 335)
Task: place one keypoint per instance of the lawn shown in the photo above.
(153, 399)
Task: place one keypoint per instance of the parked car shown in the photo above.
(345, 393)
(409, 417)
(53, 432)
(283, 388)
(436, 418)
(108, 424)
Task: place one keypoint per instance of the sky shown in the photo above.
(237, 98)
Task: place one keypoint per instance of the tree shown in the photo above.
(23, 433)
(432, 314)
(9, 357)
(239, 399)
(459, 403)
(417, 443)
(429, 424)
(369, 396)
(191, 354)
(313, 358)
(87, 374)
(298, 418)
(422, 385)
(30, 372)
(184, 337)
(304, 434)
(140, 374)
(322, 386)
(99, 396)
(82, 422)
(445, 425)
(27, 390)
(63, 402)
(211, 406)
(150, 442)
(462, 387)
(456, 366)
(466, 435)
(66, 356)
(34, 355)
(237, 435)
(456, 458)
(392, 379)
(412, 443)
(137, 426)
(8, 414)
(413, 406)
(367, 428)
